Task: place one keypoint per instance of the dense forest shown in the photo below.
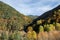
(16, 26)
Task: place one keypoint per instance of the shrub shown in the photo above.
(39, 22)
(4, 36)
(58, 26)
(31, 35)
(41, 29)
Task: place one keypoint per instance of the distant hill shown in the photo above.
(33, 16)
(47, 18)
(11, 19)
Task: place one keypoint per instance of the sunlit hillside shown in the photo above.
(12, 19)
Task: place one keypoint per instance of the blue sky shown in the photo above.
(32, 7)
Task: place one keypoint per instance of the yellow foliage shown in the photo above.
(31, 34)
(52, 27)
(41, 29)
(49, 20)
(59, 10)
(30, 28)
(58, 26)
(39, 21)
(34, 35)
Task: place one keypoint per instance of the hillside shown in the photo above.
(48, 18)
(33, 16)
(10, 19)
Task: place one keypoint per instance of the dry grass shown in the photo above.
(52, 35)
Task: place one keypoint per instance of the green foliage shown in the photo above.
(16, 36)
(4, 36)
